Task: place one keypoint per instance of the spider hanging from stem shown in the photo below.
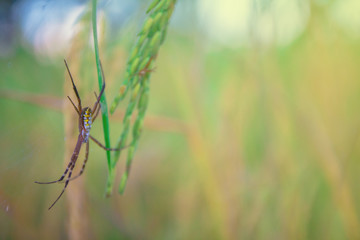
(86, 117)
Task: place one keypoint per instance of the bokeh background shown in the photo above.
(252, 130)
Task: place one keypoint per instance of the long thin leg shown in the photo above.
(101, 92)
(70, 167)
(96, 114)
(146, 69)
(74, 157)
(74, 87)
(66, 183)
(97, 111)
(61, 178)
(74, 105)
(71, 163)
(102, 146)
(84, 164)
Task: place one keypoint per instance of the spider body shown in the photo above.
(86, 117)
(86, 121)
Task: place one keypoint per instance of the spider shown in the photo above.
(86, 117)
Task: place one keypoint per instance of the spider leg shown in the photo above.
(85, 160)
(144, 71)
(71, 163)
(70, 168)
(74, 87)
(66, 183)
(61, 178)
(97, 111)
(101, 92)
(102, 146)
(74, 105)
(74, 157)
(96, 114)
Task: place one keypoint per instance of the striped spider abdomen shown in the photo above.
(86, 117)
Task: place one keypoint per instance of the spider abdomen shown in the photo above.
(87, 121)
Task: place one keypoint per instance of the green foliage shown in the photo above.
(136, 82)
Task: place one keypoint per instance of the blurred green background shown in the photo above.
(252, 130)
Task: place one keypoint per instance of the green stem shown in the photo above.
(104, 109)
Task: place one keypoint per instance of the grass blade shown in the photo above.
(104, 109)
